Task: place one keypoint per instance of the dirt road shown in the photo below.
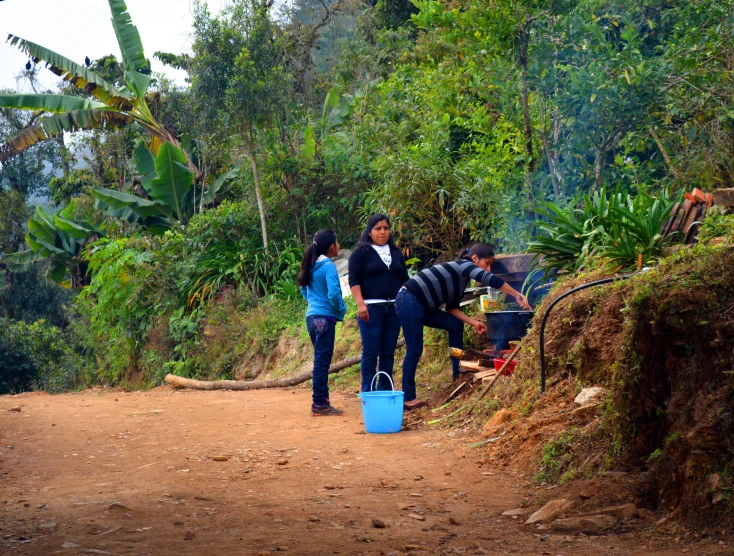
(102, 472)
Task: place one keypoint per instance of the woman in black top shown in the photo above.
(418, 303)
(376, 272)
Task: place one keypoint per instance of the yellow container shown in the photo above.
(488, 303)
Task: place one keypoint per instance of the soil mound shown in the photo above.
(662, 346)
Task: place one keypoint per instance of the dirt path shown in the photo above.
(103, 472)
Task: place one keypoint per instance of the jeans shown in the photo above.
(379, 337)
(322, 334)
(413, 317)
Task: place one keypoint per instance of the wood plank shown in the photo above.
(692, 235)
(669, 222)
(688, 222)
(709, 200)
(682, 213)
(484, 374)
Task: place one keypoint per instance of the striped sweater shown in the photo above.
(445, 283)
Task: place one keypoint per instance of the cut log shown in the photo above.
(181, 382)
(709, 200)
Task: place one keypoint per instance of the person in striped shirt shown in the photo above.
(419, 300)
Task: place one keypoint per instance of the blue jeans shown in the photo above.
(322, 334)
(413, 317)
(379, 337)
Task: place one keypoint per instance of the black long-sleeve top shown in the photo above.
(445, 283)
(367, 270)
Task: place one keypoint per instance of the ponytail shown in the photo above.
(479, 249)
(322, 241)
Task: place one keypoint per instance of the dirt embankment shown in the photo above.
(662, 345)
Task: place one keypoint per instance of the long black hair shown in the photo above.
(479, 249)
(365, 240)
(322, 240)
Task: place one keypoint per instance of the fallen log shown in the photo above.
(181, 382)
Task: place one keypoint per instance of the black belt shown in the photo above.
(381, 304)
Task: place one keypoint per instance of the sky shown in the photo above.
(79, 28)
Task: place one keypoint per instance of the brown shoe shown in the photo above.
(413, 404)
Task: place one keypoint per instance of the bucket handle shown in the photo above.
(377, 374)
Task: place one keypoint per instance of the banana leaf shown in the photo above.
(128, 38)
(173, 178)
(48, 103)
(57, 124)
(145, 164)
(214, 188)
(22, 261)
(141, 207)
(76, 74)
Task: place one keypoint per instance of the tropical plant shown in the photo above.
(231, 264)
(59, 240)
(111, 106)
(168, 181)
(610, 227)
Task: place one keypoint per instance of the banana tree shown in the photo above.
(59, 240)
(168, 181)
(110, 106)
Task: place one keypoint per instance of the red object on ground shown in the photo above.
(498, 362)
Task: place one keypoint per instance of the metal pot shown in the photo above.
(506, 326)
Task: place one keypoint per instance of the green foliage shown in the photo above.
(557, 456)
(716, 225)
(29, 296)
(34, 356)
(118, 307)
(607, 227)
(59, 240)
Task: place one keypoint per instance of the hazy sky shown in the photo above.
(79, 28)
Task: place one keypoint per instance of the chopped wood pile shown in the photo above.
(686, 216)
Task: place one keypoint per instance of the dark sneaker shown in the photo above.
(326, 409)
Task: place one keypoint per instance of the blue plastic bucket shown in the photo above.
(382, 410)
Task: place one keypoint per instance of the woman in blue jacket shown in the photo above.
(320, 287)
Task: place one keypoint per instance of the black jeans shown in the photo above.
(413, 317)
(322, 334)
(379, 337)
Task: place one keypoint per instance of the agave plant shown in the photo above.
(609, 226)
(635, 229)
(109, 107)
(59, 240)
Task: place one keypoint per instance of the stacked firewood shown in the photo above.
(686, 216)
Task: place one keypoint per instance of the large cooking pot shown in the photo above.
(507, 326)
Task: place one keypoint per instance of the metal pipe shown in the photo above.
(555, 301)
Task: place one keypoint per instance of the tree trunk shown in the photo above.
(528, 129)
(180, 382)
(598, 168)
(256, 177)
